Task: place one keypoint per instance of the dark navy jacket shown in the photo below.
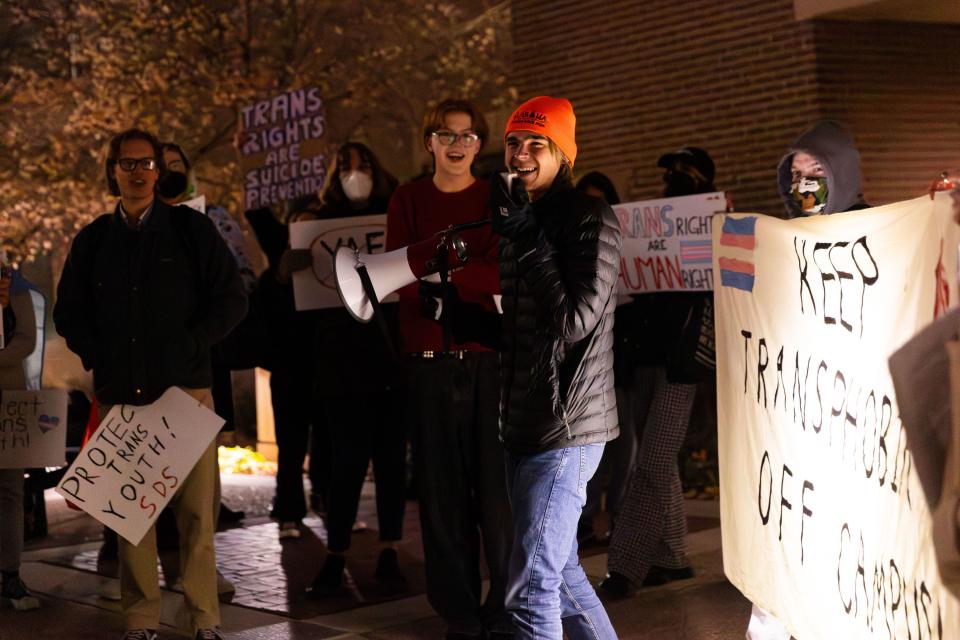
(142, 307)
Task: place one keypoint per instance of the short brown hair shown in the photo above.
(433, 119)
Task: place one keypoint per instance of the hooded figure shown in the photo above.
(838, 187)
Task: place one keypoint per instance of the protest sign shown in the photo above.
(33, 428)
(197, 204)
(316, 288)
(666, 243)
(823, 520)
(137, 458)
(281, 147)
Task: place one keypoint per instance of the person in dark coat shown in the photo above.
(559, 262)
(658, 377)
(144, 294)
(356, 380)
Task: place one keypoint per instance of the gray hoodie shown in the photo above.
(831, 144)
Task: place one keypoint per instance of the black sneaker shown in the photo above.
(140, 634)
(15, 594)
(388, 567)
(330, 577)
(616, 585)
(210, 634)
(229, 515)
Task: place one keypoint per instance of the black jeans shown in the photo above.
(364, 426)
(295, 411)
(453, 417)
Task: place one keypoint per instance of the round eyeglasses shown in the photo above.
(448, 138)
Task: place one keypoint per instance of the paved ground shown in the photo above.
(270, 577)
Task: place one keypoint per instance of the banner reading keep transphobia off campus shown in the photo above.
(824, 522)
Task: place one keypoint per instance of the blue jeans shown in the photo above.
(547, 591)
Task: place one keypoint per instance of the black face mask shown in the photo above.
(678, 184)
(173, 184)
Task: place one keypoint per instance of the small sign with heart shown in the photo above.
(30, 433)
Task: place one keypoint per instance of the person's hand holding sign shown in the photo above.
(293, 260)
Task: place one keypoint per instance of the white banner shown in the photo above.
(136, 460)
(667, 243)
(824, 522)
(33, 428)
(316, 288)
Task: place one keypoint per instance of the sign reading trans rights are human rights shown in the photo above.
(823, 520)
(666, 243)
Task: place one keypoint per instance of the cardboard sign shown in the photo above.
(281, 148)
(33, 428)
(136, 460)
(823, 519)
(667, 243)
(316, 288)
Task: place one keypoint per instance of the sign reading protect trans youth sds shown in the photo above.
(281, 147)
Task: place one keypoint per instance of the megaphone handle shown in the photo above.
(377, 310)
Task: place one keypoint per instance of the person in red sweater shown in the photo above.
(453, 389)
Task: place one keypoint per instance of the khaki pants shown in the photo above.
(194, 507)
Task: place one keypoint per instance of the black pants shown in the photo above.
(453, 417)
(295, 412)
(364, 426)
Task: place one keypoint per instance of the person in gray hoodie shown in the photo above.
(820, 173)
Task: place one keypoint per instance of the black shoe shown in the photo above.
(616, 585)
(661, 575)
(14, 593)
(229, 515)
(388, 567)
(330, 577)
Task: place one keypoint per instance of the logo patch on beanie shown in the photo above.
(534, 118)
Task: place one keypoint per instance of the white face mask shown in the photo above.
(357, 185)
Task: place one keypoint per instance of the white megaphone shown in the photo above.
(388, 272)
(395, 269)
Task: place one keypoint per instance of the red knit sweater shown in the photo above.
(417, 211)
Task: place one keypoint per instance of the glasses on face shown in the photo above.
(448, 138)
(131, 164)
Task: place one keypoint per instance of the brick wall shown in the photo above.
(898, 87)
(740, 79)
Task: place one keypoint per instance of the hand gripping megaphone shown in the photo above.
(364, 277)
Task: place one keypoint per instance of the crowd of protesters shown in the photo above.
(502, 368)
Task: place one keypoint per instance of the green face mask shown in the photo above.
(810, 194)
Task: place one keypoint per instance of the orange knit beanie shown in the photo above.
(550, 117)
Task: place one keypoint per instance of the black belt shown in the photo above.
(438, 355)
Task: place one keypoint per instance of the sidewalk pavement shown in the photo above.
(270, 577)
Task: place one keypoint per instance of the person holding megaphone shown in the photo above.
(559, 257)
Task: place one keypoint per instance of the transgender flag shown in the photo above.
(738, 234)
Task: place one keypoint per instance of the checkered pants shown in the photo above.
(651, 525)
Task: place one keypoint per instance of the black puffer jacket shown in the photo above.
(557, 357)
